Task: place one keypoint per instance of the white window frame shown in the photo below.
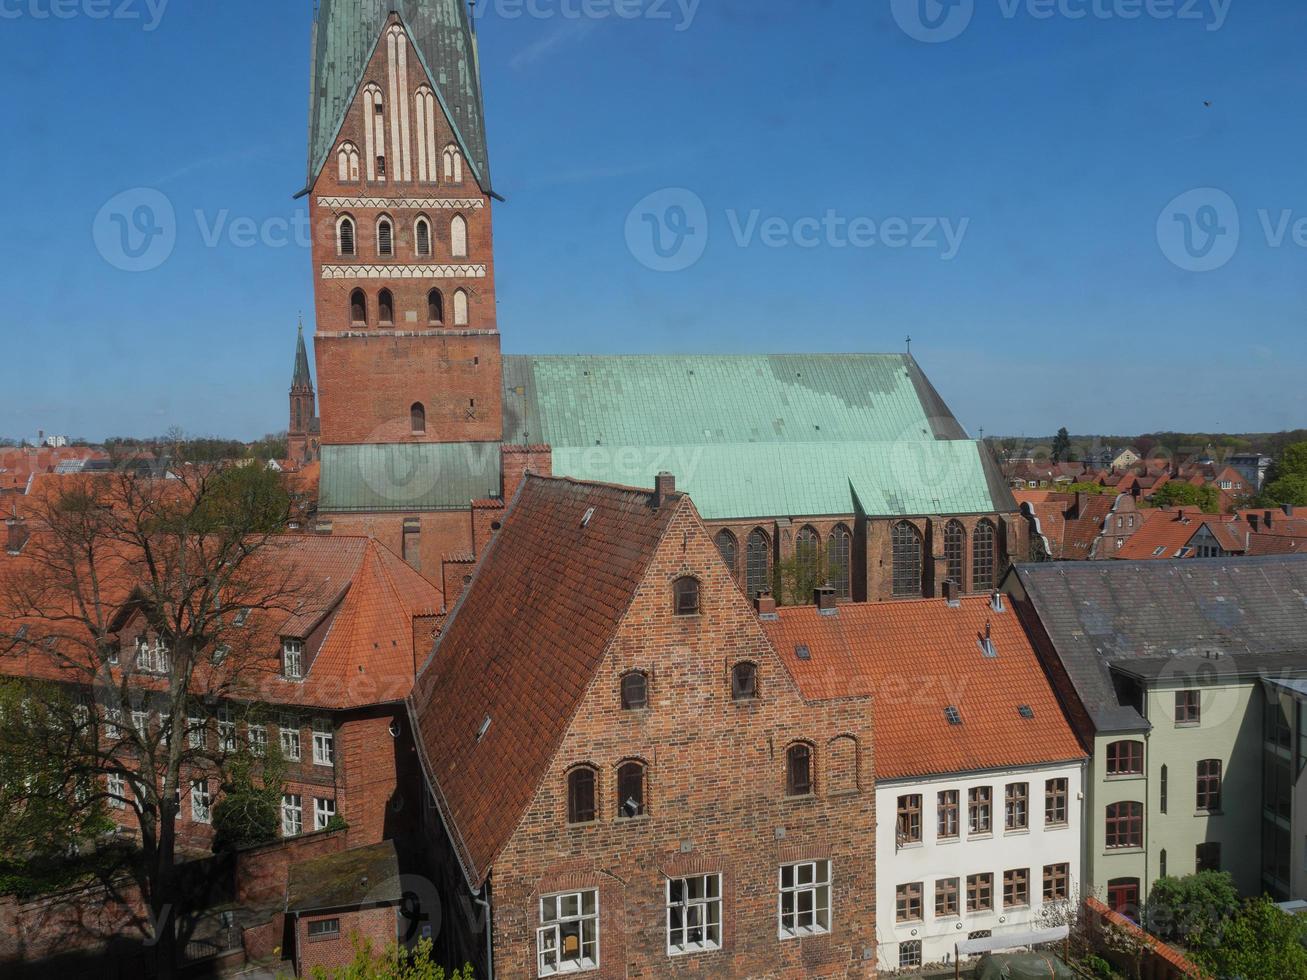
(812, 887)
(292, 814)
(324, 744)
(695, 913)
(116, 787)
(226, 731)
(257, 738)
(195, 732)
(140, 722)
(323, 810)
(201, 802)
(292, 659)
(549, 933)
(113, 719)
(290, 740)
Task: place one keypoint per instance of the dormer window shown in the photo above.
(686, 590)
(292, 659)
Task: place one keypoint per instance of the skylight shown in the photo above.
(1025, 711)
(802, 652)
(952, 715)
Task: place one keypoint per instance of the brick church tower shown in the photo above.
(400, 201)
(303, 431)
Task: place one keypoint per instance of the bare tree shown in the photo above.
(146, 609)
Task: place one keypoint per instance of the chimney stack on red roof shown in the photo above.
(1288, 509)
(952, 592)
(17, 533)
(824, 597)
(765, 603)
(1266, 518)
(664, 488)
(996, 602)
(1252, 521)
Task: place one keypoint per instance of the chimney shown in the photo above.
(824, 597)
(1266, 519)
(1288, 509)
(1252, 521)
(765, 603)
(17, 533)
(664, 488)
(996, 602)
(952, 592)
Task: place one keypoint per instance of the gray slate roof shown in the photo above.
(1160, 619)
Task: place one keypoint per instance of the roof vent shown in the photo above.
(802, 652)
(1025, 711)
(987, 642)
(996, 602)
(585, 519)
(823, 597)
(485, 727)
(952, 715)
(952, 593)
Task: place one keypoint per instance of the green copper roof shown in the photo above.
(301, 378)
(407, 477)
(345, 35)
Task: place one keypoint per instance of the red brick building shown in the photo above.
(623, 769)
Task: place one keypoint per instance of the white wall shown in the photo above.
(994, 854)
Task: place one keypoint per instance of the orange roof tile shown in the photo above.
(917, 658)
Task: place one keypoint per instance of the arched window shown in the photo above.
(385, 237)
(725, 542)
(838, 561)
(744, 681)
(630, 790)
(581, 795)
(374, 132)
(982, 557)
(417, 416)
(798, 770)
(460, 308)
(358, 308)
(905, 543)
(635, 690)
(757, 561)
(1125, 758)
(453, 164)
(686, 592)
(435, 307)
(955, 552)
(422, 236)
(458, 237)
(347, 160)
(385, 306)
(345, 244)
(807, 552)
(425, 113)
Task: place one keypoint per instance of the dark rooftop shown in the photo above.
(362, 875)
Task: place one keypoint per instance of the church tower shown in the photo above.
(400, 198)
(303, 427)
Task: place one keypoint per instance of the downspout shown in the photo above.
(490, 943)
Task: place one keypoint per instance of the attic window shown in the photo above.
(485, 727)
(686, 591)
(802, 652)
(1025, 711)
(952, 715)
(1158, 552)
(241, 617)
(585, 519)
(292, 659)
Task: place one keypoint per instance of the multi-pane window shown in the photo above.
(805, 898)
(112, 722)
(1016, 888)
(909, 954)
(292, 815)
(324, 928)
(807, 554)
(258, 739)
(838, 561)
(635, 691)
(979, 809)
(798, 770)
(292, 659)
(907, 902)
(1125, 825)
(983, 563)
(1187, 708)
(1207, 856)
(947, 814)
(1055, 793)
(581, 795)
(1209, 785)
(686, 591)
(946, 897)
(226, 731)
(757, 562)
(1123, 896)
(195, 732)
(744, 681)
(980, 892)
(323, 811)
(905, 547)
(324, 744)
(630, 790)
(694, 913)
(1016, 806)
(152, 657)
(141, 722)
(290, 739)
(117, 789)
(201, 803)
(1057, 882)
(955, 549)
(1125, 758)
(908, 830)
(725, 542)
(567, 940)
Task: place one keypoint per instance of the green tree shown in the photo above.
(391, 964)
(1178, 907)
(1177, 493)
(1061, 445)
(249, 810)
(1259, 942)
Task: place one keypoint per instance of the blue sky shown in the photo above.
(1051, 145)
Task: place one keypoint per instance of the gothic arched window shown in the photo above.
(347, 159)
(422, 236)
(345, 244)
(418, 418)
(385, 237)
(435, 307)
(385, 307)
(358, 308)
(458, 237)
(807, 554)
(757, 560)
(905, 544)
(955, 550)
(460, 308)
(838, 560)
(453, 163)
(983, 556)
(725, 542)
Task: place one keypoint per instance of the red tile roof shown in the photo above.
(1170, 530)
(520, 649)
(917, 658)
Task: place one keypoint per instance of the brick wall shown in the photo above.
(714, 792)
(378, 772)
(262, 872)
(380, 925)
